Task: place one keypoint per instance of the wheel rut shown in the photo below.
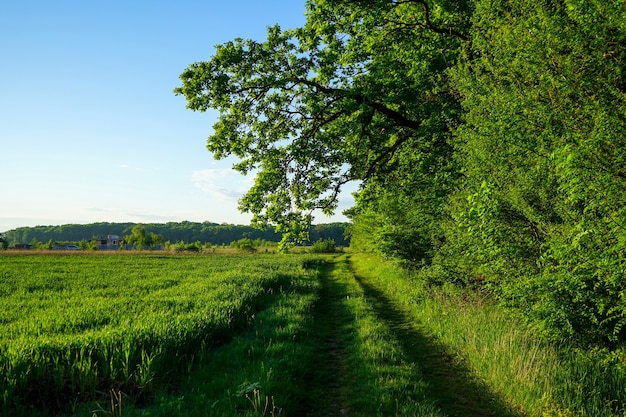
(450, 386)
(330, 375)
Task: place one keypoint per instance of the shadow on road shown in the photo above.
(327, 372)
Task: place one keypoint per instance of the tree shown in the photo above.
(487, 136)
(337, 100)
(141, 239)
(3, 241)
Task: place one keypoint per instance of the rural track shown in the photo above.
(452, 387)
(330, 375)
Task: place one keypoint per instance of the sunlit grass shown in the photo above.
(537, 377)
(378, 378)
(283, 364)
(74, 326)
(230, 335)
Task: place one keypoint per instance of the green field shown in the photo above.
(77, 325)
(152, 334)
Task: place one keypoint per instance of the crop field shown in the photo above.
(154, 334)
(76, 325)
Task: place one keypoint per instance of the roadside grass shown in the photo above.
(538, 378)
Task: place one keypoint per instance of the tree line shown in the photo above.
(488, 137)
(190, 232)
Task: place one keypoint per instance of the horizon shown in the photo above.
(158, 223)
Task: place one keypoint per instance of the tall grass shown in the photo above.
(262, 371)
(74, 326)
(265, 335)
(319, 349)
(539, 378)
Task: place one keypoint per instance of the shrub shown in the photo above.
(245, 244)
(324, 246)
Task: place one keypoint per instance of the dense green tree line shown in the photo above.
(206, 232)
(488, 137)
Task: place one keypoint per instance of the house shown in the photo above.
(108, 242)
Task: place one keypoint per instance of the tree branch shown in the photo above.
(388, 154)
(429, 24)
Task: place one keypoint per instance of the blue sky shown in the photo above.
(90, 129)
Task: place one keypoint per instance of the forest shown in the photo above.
(189, 232)
(487, 136)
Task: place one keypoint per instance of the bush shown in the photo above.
(184, 247)
(245, 244)
(324, 246)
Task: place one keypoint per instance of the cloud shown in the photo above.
(224, 184)
(130, 168)
(151, 217)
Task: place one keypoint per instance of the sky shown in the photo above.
(90, 129)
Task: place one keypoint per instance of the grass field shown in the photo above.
(155, 334)
(75, 325)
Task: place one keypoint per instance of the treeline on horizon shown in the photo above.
(186, 231)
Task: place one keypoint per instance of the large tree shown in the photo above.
(488, 136)
(342, 98)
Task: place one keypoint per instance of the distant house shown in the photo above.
(108, 242)
(22, 246)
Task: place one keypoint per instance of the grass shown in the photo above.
(260, 372)
(266, 335)
(380, 377)
(537, 378)
(132, 323)
(316, 350)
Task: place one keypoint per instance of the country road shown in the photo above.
(376, 360)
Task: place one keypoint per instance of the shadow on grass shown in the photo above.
(452, 386)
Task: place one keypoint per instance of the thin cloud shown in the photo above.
(223, 184)
(130, 168)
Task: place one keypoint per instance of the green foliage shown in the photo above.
(543, 94)
(206, 232)
(494, 147)
(140, 238)
(245, 244)
(184, 247)
(334, 101)
(487, 136)
(324, 246)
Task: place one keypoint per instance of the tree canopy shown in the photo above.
(312, 108)
(488, 138)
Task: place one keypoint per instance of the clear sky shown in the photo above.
(90, 129)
